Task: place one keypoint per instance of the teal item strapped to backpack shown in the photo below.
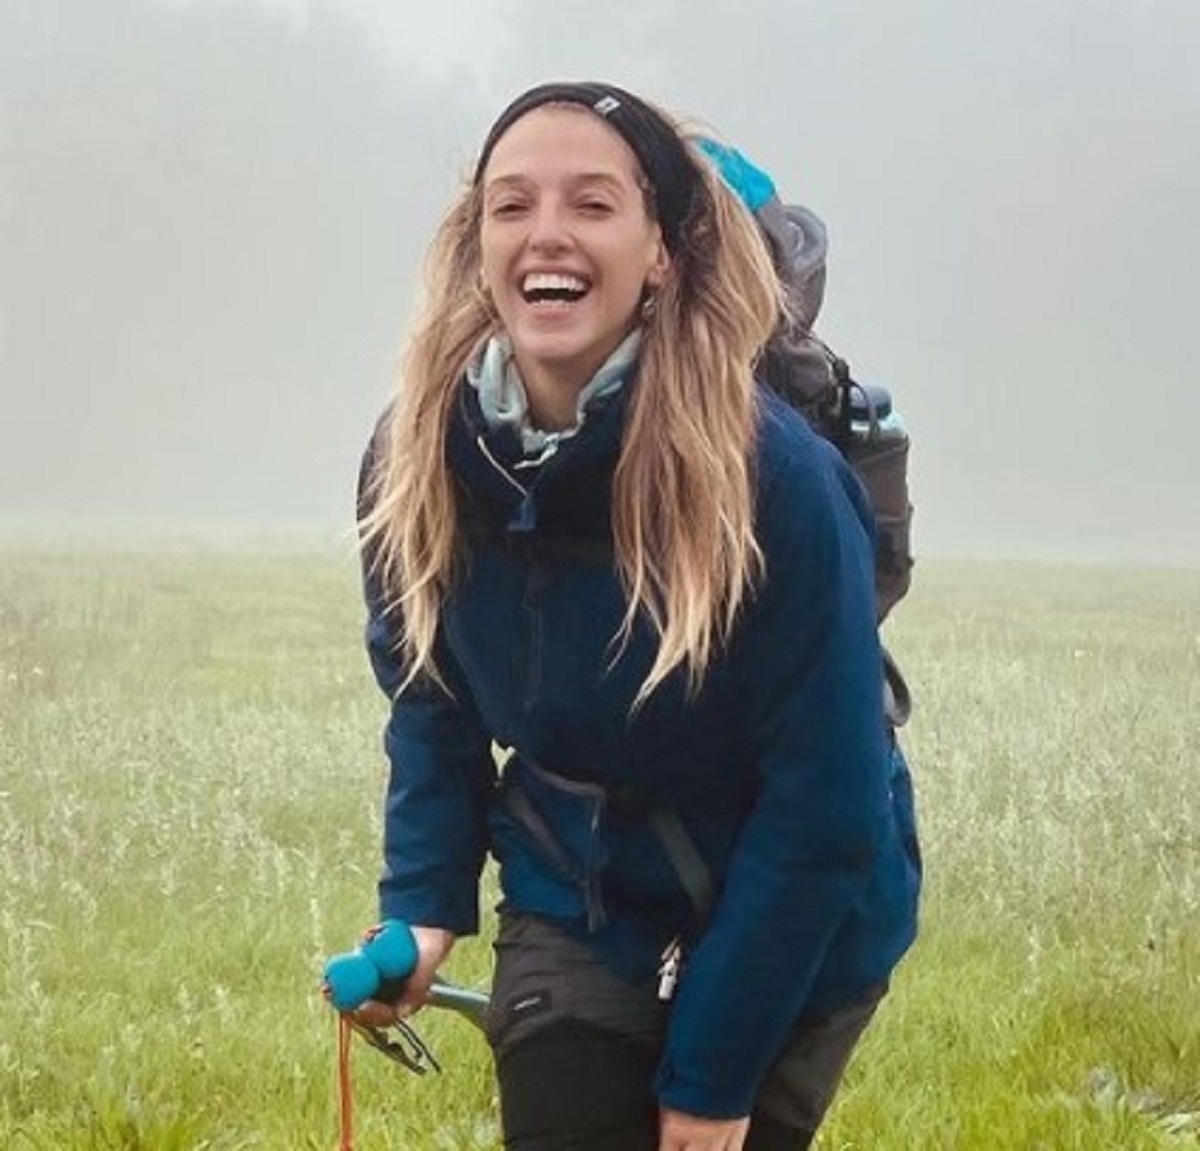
(858, 418)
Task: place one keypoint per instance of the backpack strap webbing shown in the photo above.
(690, 868)
(897, 701)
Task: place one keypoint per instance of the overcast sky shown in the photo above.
(212, 215)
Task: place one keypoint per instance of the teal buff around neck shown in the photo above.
(493, 374)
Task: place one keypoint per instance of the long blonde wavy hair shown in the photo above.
(683, 491)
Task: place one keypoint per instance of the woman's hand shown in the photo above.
(680, 1132)
(433, 945)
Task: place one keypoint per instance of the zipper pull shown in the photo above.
(668, 971)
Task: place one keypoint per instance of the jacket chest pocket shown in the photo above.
(569, 617)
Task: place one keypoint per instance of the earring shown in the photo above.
(649, 306)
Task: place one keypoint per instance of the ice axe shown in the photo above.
(377, 969)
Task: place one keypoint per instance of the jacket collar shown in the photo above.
(567, 495)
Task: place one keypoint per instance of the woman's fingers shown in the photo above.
(433, 945)
(679, 1131)
(375, 1014)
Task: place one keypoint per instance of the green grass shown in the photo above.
(189, 822)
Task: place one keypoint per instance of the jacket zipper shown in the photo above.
(597, 917)
(533, 583)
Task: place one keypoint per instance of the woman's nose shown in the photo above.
(548, 228)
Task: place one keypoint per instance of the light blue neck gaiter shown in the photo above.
(492, 372)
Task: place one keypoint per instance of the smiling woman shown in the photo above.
(570, 254)
(590, 538)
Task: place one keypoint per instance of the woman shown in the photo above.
(591, 538)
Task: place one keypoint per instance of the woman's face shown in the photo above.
(567, 246)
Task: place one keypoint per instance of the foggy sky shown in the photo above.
(212, 216)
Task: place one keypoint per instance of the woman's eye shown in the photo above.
(595, 207)
(507, 208)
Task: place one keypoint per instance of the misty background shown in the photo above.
(212, 217)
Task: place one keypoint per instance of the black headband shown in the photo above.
(662, 154)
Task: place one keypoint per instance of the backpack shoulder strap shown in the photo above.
(690, 868)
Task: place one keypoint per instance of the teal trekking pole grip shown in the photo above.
(378, 968)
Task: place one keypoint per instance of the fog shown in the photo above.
(212, 216)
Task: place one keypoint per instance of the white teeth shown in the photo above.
(552, 282)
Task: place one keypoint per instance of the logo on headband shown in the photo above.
(606, 105)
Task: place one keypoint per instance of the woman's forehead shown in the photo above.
(561, 141)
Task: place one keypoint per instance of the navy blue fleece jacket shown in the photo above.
(781, 769)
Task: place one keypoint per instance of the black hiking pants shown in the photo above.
(576, 1050)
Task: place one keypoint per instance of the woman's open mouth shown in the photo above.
(553, 289)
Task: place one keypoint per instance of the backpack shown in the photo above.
(858, 418)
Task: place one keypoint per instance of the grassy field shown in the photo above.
(189, 820)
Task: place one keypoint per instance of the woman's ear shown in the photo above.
(659, 266)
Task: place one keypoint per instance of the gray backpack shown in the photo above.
(858, 418)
